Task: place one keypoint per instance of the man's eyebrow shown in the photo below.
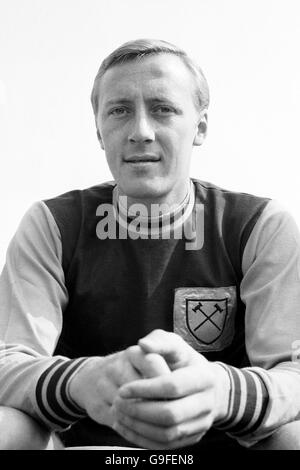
(117, 101)
(163, 99)
(154, 99)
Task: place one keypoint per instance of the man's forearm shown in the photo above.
(261, 401)
(38, 385)
(53, 400)
(247, 402)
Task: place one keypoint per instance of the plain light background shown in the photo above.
(50, 51)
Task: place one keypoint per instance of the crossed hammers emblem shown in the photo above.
(218, 309)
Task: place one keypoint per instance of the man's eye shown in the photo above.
(164, 110)
(118, 111)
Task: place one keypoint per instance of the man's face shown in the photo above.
(148, 124)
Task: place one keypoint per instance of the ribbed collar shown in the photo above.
(137, 218)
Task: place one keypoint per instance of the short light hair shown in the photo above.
(138, 49)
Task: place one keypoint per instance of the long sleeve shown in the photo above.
(33, 296)
(267, 394)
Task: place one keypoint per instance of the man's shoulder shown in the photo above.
(208, 190)
(71, 208)
(235, 212)
(100, 192)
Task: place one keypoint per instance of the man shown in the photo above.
(154, 311)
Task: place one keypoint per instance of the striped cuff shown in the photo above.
(248, 401)
(55, 406)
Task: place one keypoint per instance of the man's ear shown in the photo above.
(201, 129)
(100, 139)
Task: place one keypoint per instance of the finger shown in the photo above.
(167, 435)
(166, 413)
(169, 345)
(149, 365)
(122, 372)
(179, 383)
(131, 436)
(155, 365)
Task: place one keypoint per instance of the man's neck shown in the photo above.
(158, 221)
(153, 206)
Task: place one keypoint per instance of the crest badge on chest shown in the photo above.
(204, 316)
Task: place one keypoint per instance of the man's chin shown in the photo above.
(144, 192)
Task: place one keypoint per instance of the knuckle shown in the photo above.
(130, 349)
(170, 417)
(152, 359)
(171, 434)
(172, 389)
(110, 369)
(132, 352)
(177, 338)
(179, 433)
(128, 352)
(159, 333)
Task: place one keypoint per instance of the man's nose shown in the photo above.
(142, 129)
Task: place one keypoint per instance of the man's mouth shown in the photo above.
(145, 158)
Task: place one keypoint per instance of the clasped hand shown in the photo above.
(159, 394)
(176, 401)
